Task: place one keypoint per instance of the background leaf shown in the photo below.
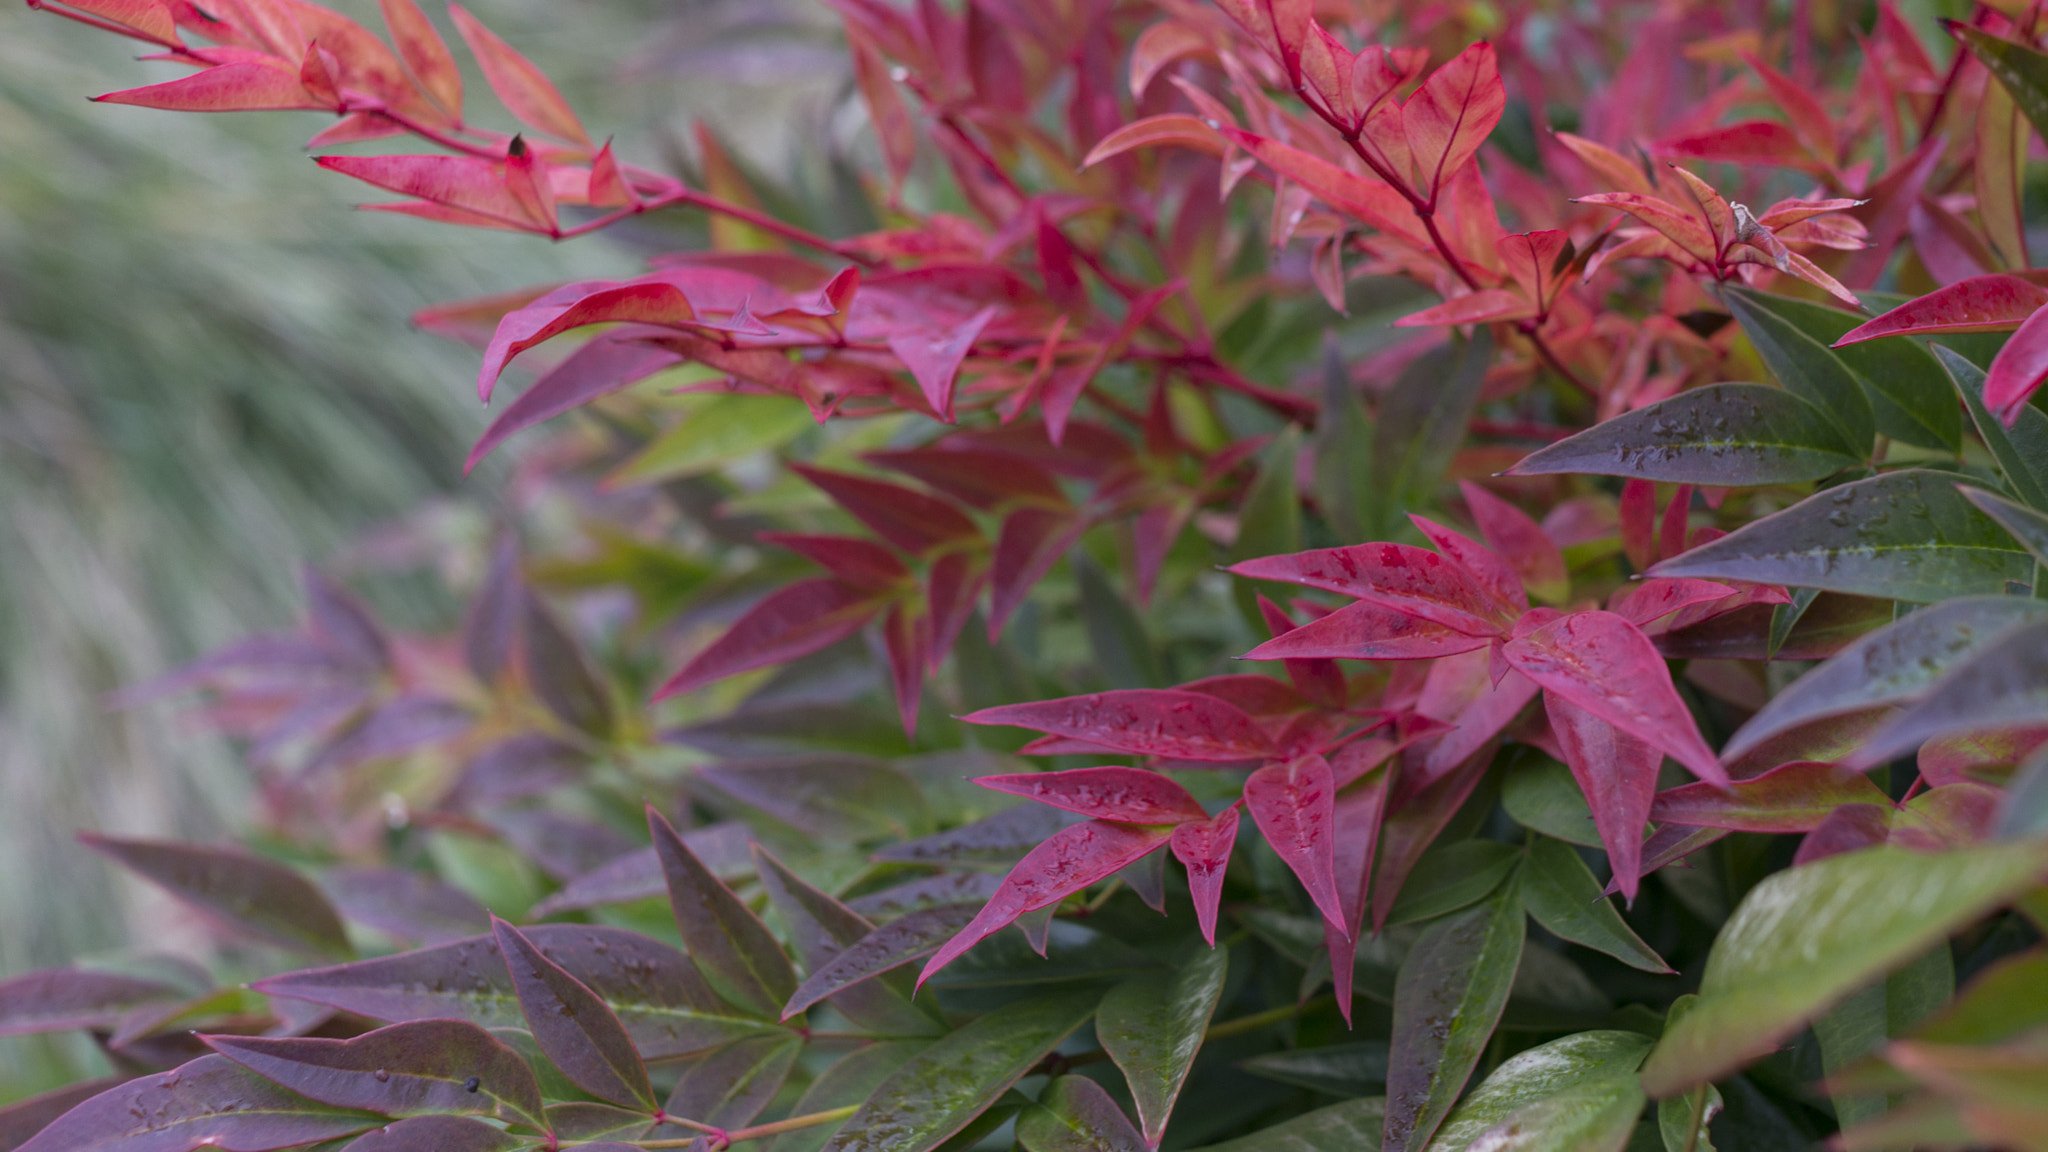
(258, 896)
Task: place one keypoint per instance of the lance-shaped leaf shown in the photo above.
(560, 673)
(786, 624)
(1142, 722)
(425, 54)
(941, 1089)
(1129, 795)
(1172, 128)
(848, 1082)
(599, 368)
(1071, 860)
(524, 89)
(1810, 370)
(911, 936)
(1790, 798)
(914, 521)
(1451, 115)
(2027, 526)
(1736, 435)
(574, 1028)
(144, 19)
(729, 1087)
(60, 999)
(1483, 564)
(1450, 993)
(1805, 938)
(1997, 303)
(1618, 774)
(1605, 665)
(1574, 1076)
(822, 929)
(438, 1134)
(1520, 541)
(1905, 535)
(1908, 395)
(934, 358)
(1347, 1070)
(1364, 198)
(413, 1069)
(2021, 451)
(1542, 796)
(210, 1102)
(1561, 893)
(1359, 807)
(1353, 1126)
(1153, 1029)
(258, 896)
(243, 86)
(1413, 581)
(2020, 69)
(2003, 685)
(1204, 849)
(2018, 369)
(1891, 666)
(1366, 631)
(470, 186)
(731, 946)
(1074, 1114)
(1292, 804)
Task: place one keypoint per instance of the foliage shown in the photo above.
(1756, 481)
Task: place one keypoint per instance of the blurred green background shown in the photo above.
(207, 378)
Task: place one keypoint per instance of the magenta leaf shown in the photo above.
(786, 624)
(257, 896)
(1649, 601)
(418, 1068)
(1519, 540)
(573, 1027)
(1413, 581)
(1128, 795)
(1618, 774)
(210, 1102)
(1367, 631)
(1355, 830)
(853, 560)
(1997, 303)
(1204, 848)
(1292, 805)
(1030, 542)
(916, 522)
(2018, 369)
(1791, 798)
(1070, 861)
(934, 357)
(729, 943)
(1142, 722)
(1486, 566)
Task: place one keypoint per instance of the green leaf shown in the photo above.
(1545, 1072)
(1339, 1069)
(1353, 1126)
(716, 430)
(1682, 1121)
(1731, 434)
(1804, 938)
(1561, 893)
(1422, 421)
(2021, 70)
(2027, 526)
(948, 1084)
(1809, 369)
(2004, 1000)
(2025, 472)
(1343, 442)
(1074, 1114)
(1882, 1011)
(1902, 536)
(730, 1086)
(1540, 795)
(1152, 1027)
(1451, 876)
(1124, 654)
(2005, 685)
(1451, 990)
(1786, 617)
(1909, 395)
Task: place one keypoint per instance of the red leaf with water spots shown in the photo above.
(1648, 601)
(787, 623)
(1521, 542)
(1997, 303)
(1142, 722)
(1486, 567)
(1451, 115)
(1292, 804)
(1071, 860)
(1129, 795)
(1370, 200)
(1367, 632)
(1413, 581)
(1618, 774)
(1320, 680)
(1203, 847)
(523, 88)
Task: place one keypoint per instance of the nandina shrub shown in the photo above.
(1661, 549)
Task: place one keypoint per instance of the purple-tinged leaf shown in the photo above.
(1413, 581)
(1320, 680)
(581, 1120)
(911, 936)
(490, 629)
(786, 624)
(1618, 774)
(931, 892)
(1071, 860)
(1790, 798)
(61, 999)
(518, 767)
(1850, 828)
(1029, 543)
(560, 673)
(1144, 722)
(599, 368)
(916, 522)
(1204, 848)
(567, 847)
(999, 840)
(821, 929)
(1292, 805)
(854, 560)
(729, 1087)
(1128, 795)
(983, 478)
(1075, 1114)
(438, 1134)
(731, 946)
(1367, 631)
(419, 1068)
(405, 905)
(1147, 880)
(573, 1027)
(398, 727)
(1449, 995)
(209, 1103)
(342, 625)
(257, 896)
(2003, 685)
(24, 1118)
(1153, 1029)
(841, 798)
(1356, 814)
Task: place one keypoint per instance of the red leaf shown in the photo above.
(239, 87)
(1618, 774)
(1320, 680)
(524, 90)
(469, 184)
(1980, 304)
(1809, 117)
(1750, 142)
(1648, 601)
(934, 358)
(1204, 848)
(526, 177)
(1253, 694)
(425, 54)
(1367, 631)
(1160, 47)
(1127, 795)
(1538, 263)
(1671, 534)
(912, 521)
(1370, 200)
(1031, 541)
(599, 368)
(1451, 115)
(787, 623)
(886, 110)
(1605, 665)
(1487, 306)
(1680, 227)
(1639, 523)
(856, 561)
(2018, 369)
(906, 635)
(1172, 128)
(1486, 567)
(1464, 695)
(979, 478)
(1794, 797)
(952, 585)
(1142, 722)
(1070, 861)
(1355, 828)
(1410, 580)
(1292, 804)
(1519, 540)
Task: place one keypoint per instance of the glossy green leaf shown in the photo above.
(2003, 685)
(1561, 893)
(1422, 420)
(2002, 1001)
(1452, 876)
(1729, 434)
(716, 430)
(256, 895)
(1809, 369)
(2021, 70)
(2027, 526)
(2023, 464)
(1451, 990)
(1786, 617)
(1152, 1027)
(1804, 938)
(1353, 1126)
(1540, 795)
(1902, 536)
(941, 1089)
(1683, 1120)
(1909, 394)
(1074, 1114)
(848, 1081)
(729, 943)
(1547, 1071)
(1347, 1070)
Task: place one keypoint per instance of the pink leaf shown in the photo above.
(787, 623)
(1173, 128)
(979, 478)
(1519, 540)
(1127, 795)
(1680, 227)
(1070, 861)
(906, 636)
(1142, 722)
(599, 368)
(952, 585)
(467, 183)
(1367, 631)
(1487, 306)
(1370, 200)
(1320, 680)
(852, 559)
(144, 19)
(934, 358)
(1648, 601)
(1618, 774)
(1750, 142)
(2018, 369)
(425, 54)
(1292, 804)
(1537, 262)
(1355, 828)
(1605, 665)
(1410, 580)
(240, 87)
(524, 89)
(1980, 304)
(1486, 567)
(1451, 115)
(1463, 694)
(1204, 848)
